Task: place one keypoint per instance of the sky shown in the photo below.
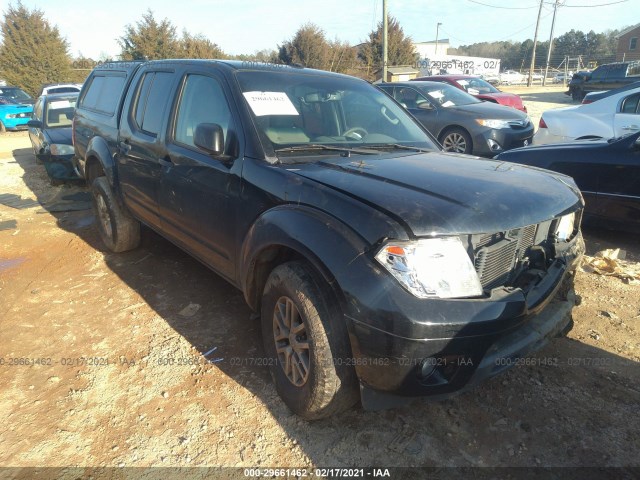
(246, 26)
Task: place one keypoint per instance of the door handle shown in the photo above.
(165, 162)
(124, 147)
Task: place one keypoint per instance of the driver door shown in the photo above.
(419, 106)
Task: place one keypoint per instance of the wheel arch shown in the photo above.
(301, 233)
(99, 161)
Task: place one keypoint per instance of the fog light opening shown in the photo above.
(493, 145)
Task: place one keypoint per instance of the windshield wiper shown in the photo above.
(400, 147)
(346, 151)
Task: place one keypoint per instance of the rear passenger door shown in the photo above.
(627, 119)
(199, 193)
(141, 154)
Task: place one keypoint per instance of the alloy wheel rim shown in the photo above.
(454, 142)
(103, 215)
(291, 341)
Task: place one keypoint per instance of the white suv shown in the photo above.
(61, 88)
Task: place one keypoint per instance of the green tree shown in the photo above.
(198, 46)
(149, 40)
(400, 47)
(308, 47)
(32, 52)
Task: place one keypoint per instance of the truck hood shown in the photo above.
(439, 193)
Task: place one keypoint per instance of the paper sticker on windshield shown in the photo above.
(270, 103)
(448, 103)
(473, 91)
(436, 94)
(58, 104)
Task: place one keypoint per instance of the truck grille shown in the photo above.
(498, 257)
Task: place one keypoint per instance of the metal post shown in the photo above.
(535, 41)
(385, 45)
(437, 32)
(553, 24)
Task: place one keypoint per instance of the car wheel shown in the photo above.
(119, 230)
(577, 94)
(456, 140)
(306, 342)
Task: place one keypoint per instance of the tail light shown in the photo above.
(586, 101)
(542, 124)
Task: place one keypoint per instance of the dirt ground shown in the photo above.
(144, 359)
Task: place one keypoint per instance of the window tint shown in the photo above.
(202, 101)
(104, 93)
(152, 99)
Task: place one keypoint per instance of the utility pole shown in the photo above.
(437, 32)
(535, 41)
(553, 24)
(385, 41)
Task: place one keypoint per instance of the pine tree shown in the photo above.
(400, 47)
(149, 40)
(32, 52)
(198, 46)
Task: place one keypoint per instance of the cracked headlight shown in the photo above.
(434, 267)
(566, 226)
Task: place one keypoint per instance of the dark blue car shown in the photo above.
(607, 172)
(50, 134)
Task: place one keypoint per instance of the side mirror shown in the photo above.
(34, 124)
(425, 106)
(210, 138)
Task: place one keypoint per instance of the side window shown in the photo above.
(104, 93)
(202, 101)
(630, 104)
(634, 70)
(633, 43)
(153, 95)
(37, 109)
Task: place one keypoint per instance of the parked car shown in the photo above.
(612, 116)
(511, 77)
(595, 96)
(50, 134)
(381, 266)
(479, 88)
(50, 88)
(17, 95)
(608, 174)
(461, 122)
(605, 77)
(15, 111)
(562, 77)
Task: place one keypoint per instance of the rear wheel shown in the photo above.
(119, 230)
(307, 343)
(456, 140)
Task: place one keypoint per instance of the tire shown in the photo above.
(577, 94)
(293, 295)
(456, 140)
(119, 230)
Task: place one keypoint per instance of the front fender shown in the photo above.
(324, 241)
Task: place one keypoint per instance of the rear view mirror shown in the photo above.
(210, 138)
(34, 124)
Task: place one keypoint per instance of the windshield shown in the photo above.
(58, 112)
(476, 86)
(446, 95)
(15, 94)
(310, 111)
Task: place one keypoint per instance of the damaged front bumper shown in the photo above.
(446, 347)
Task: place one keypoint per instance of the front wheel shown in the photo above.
(119, 230)
(456, 140)
(307, 344)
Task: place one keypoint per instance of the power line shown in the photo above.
(504, 8)
(592, 6)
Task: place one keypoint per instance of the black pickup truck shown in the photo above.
(382, 267)
(605, 77)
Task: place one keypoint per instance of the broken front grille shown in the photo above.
(499, 257)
